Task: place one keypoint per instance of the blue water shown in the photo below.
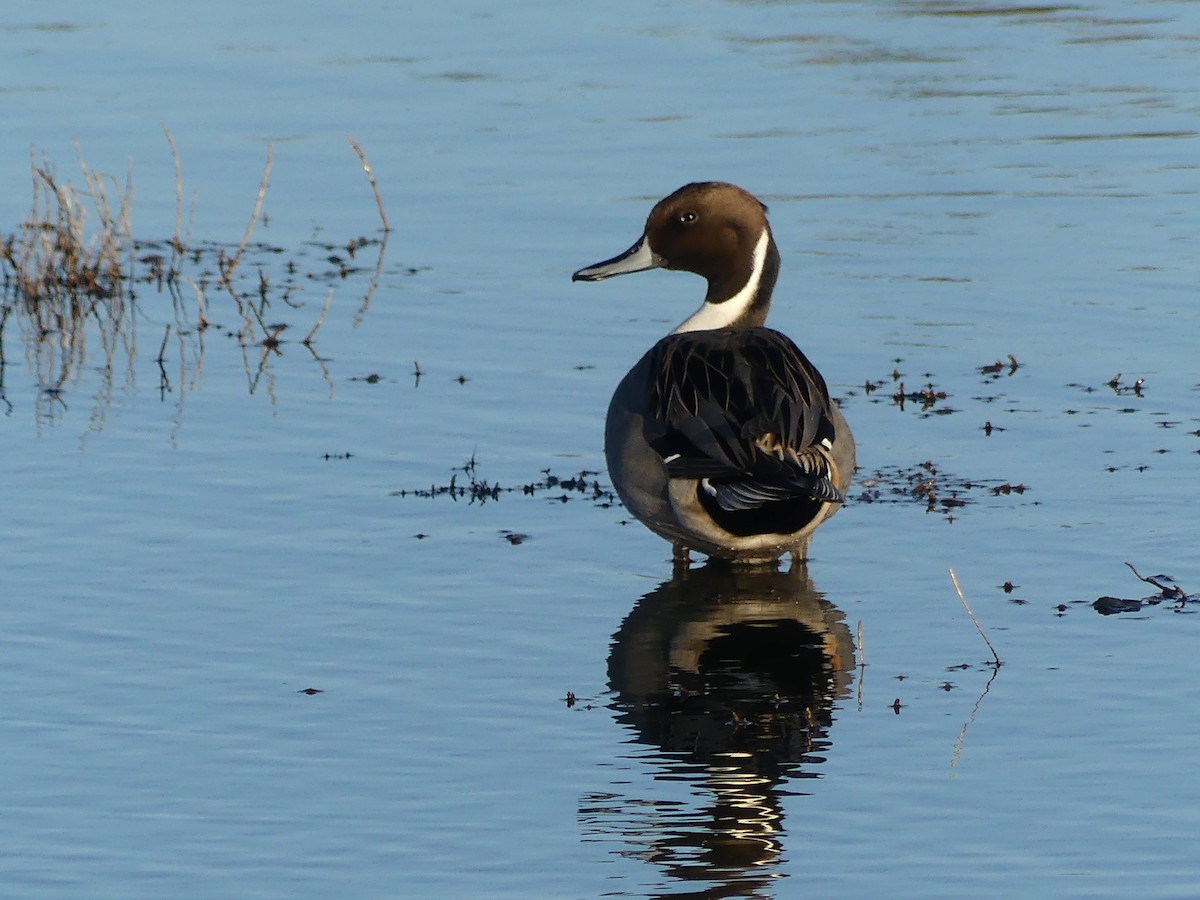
(180, 560)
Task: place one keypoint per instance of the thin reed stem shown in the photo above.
(371, 178)
(967, 607)
(328, 299)
(258, 204)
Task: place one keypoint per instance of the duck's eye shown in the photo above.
(686, 218)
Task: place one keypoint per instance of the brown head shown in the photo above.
(718, 231)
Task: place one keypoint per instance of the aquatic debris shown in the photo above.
(924, 399)
(1168, 590)
(996, 369)
(1118, 388)
(1109, 606)
(928, 397)
(1008, 587)
(479, 490)
(941, 492)
(1007, 488)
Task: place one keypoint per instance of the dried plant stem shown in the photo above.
(328, 299)
(258, 203)
(371, 178)
(967, 607)
(201, 308)
(53, 258)
(177, 244)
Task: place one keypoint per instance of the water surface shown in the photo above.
(187, 549)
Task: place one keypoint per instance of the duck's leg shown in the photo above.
(800, 555)
(680, 560)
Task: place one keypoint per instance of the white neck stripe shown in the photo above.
(722, 315)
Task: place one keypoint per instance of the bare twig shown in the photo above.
(1168, 590)
(967, 607)
(371, 178)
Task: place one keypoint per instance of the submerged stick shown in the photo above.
(371, 178)
(967, 607)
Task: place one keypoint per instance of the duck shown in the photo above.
(723, 438)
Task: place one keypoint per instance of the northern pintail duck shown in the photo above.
(723, 438)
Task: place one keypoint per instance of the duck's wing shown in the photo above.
(745, 412)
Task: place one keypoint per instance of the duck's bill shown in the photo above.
(637, 258)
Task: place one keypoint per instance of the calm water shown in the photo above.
(186, 549)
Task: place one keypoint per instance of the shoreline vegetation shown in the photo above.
(73, 272)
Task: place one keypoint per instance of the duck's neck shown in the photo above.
(740, 303)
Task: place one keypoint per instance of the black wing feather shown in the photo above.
(744, 411)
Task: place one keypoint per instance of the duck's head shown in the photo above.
(718, 231)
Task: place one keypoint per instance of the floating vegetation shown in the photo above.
(925, 483)
(477, 490)
(926, 399)
(1167, 592)
(72, 273)
(929, 399)
(1118, 388)
(1116, 385)
(999, 369)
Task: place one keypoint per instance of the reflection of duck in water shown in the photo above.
(734, 675)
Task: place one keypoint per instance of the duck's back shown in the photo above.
(728, 440)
